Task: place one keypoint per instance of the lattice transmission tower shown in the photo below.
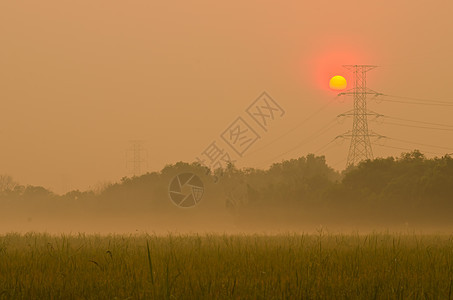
(360, 147)
(136, 157)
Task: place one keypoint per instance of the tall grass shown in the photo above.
(323, 266)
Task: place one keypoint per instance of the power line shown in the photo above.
(406, 149)
(324, 146)
(425, 101)
(292, 129)
(422, 144)
(309, 139)
(416, 126)
(415, 121)
(417, 102)
(418, 99)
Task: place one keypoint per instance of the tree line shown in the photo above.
(408, 188)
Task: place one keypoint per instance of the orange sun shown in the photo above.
(338, 83)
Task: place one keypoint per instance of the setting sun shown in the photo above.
(338, 83)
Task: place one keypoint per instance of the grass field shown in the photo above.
(320, 266)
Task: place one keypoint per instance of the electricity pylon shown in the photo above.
(137, 159)
(360, 147)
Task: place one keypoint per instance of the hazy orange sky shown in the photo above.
(80, 80)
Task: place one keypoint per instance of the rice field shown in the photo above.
(215, 266)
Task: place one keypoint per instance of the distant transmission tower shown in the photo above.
(360, 147)
(136, 157)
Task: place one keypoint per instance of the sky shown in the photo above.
(79, 81)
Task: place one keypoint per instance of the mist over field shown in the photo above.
(408, 193)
